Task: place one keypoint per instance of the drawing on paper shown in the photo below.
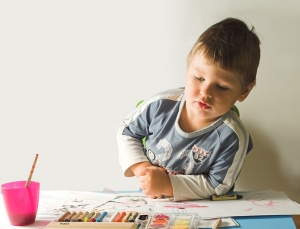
(259, 200)
(182, 205)
(131, 202)
(58, 202)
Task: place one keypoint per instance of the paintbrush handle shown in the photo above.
(31, 171)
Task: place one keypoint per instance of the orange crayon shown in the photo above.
(120, 217)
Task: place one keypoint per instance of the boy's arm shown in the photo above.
(191, 187)
(130, 133)
(131, 155)
(217, 181)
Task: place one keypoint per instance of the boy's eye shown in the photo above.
(222, 87)
(199, 78)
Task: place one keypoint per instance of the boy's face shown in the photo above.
(211, 92)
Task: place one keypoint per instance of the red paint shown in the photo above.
(160, 221)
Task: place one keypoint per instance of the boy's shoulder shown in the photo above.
(231, 124)
(165, 99)
(170, 93)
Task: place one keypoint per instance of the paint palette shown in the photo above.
(173, 221)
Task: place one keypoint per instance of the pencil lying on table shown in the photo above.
(217, 224)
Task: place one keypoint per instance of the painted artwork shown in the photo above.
(132, 202)
(58, 202)
(267, 202)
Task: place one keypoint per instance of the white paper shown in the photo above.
(297, 204)
(58, 202)
(266, 202)
(132, 201)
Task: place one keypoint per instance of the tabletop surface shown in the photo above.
(246, 222)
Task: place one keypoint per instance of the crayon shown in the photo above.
(61, 219)
(100, 218)
(143, 221)
(75, 218)
(113, 217)
(81, 218)
(88, 217)
(69, 217)
(132, 217)
(226, 197)
(95, 216)
(120, 217)
(126, 217)
(143, 217)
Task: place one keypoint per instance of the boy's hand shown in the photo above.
(139, 166)
(155, 182)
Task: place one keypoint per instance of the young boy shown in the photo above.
(195, 144)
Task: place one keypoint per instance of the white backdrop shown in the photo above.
(70, 71)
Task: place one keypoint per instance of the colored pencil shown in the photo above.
(217, 224)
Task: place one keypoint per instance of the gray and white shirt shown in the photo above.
(200, 164)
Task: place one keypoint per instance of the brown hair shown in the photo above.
(231, 46)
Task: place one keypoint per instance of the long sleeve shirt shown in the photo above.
(200, 164)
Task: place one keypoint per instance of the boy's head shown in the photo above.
(231, 46)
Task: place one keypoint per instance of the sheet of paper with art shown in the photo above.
(267, 202)
(58, 202)
(135, 201)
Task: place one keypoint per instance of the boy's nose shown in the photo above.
(206, 91)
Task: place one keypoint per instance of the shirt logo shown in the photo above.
(200, 154)
(151, 155)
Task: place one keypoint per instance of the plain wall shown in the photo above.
(70, 71)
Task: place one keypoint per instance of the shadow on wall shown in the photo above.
(263, 170)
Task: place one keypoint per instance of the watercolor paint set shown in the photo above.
(173, 221)
(126, 220)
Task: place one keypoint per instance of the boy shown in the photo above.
(195, 144)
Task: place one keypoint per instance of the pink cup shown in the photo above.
(21, 203)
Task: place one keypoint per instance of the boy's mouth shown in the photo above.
(203, 105)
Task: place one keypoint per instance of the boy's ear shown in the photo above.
(246, 92)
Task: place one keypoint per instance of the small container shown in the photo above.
(21, 202)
